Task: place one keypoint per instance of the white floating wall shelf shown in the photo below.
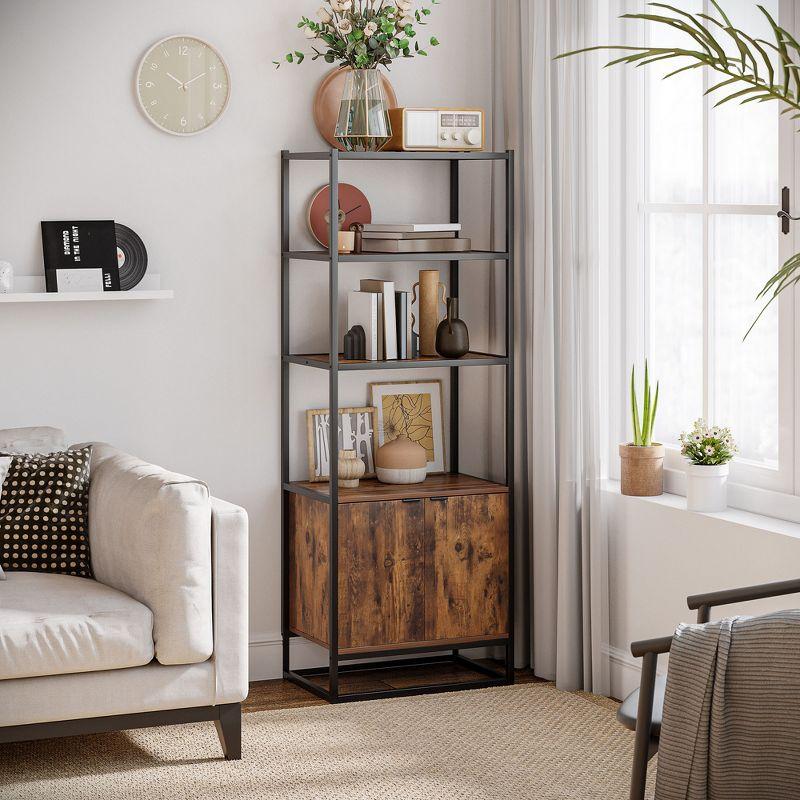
(32, 290)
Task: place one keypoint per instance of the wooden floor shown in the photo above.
(274, 695)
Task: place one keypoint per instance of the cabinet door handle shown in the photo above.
(413, 500)
(439, 499)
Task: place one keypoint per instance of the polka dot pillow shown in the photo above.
(44, 514)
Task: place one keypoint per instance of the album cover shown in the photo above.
(80, 256)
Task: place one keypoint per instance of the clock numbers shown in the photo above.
(154, 67)
(183, 50)
(149, 84)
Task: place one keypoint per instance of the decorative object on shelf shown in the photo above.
(347, 242)
(365, 310)
(80, 256)
(131, 258)
(358, 234)
(351, 469)
(386, 291)
(431, 292)
(401, 462)
(363, 123)
(363, 37)
(6, 277)
(642, 460)
(356, 432)
(353, 207)
(452, 336)
(183, 85)
(402, 303)
(355, 344)
(329, 98)
(709, 451)
(433, 129)
(413, 409)
(414, 238)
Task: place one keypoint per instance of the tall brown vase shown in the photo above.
(642, 470)
(429, 291)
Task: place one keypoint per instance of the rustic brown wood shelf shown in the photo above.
(372, 490)
(419, 573)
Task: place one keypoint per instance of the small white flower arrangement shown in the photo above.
(708, 446)
(364, 34)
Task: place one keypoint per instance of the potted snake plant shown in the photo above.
(642, 459)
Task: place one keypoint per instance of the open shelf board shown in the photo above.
(372, 491)
(392, 156)
(371, 258)
(83, 297)
(323, 361)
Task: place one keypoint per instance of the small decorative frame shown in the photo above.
(414, 409)
(356, 432)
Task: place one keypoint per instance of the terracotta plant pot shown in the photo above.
(642, 470)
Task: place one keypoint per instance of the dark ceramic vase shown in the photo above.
(452, 336)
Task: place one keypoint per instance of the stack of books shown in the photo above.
(414, 238)
(385, 316)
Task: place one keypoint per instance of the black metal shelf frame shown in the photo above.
(338, 662)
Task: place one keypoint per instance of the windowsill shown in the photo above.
(733, 516)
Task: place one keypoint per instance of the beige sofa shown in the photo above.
(159, 637)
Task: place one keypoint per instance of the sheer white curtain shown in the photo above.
(554, 115)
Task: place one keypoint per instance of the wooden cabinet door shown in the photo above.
(466, 571)
(381, 573)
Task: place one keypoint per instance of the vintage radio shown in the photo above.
(420, 129)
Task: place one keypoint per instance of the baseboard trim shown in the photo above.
(626, 671)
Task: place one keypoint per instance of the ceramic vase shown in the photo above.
(402, 462)
(363, 123)
(429, 292)
(642, 470)
(707, 487)
(452, 336)
(351, 469)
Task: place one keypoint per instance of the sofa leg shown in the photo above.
(229, 730)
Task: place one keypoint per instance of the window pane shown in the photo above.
(744, 253)
(675, 125)
(676, 314)
(744, 139)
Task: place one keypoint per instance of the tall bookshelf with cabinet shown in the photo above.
(423, 572)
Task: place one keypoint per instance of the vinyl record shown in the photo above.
(132, 258)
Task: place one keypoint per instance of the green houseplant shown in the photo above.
(708, 451)
(642, 459)
(362, 36)
(751, 70)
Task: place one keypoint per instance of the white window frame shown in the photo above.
(755, 487)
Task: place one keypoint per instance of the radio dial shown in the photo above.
(473, 136)
(444, 137)
(455, 136)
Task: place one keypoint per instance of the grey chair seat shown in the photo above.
(628, 710)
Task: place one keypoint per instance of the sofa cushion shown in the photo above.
(31, 440)
(43, 514)
(151, 538)
(60, 624)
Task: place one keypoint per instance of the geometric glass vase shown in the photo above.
(363, 124)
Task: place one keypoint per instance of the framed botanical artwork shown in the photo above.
(356, 432)
(413, 409)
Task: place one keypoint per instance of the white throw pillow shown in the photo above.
(5, 463)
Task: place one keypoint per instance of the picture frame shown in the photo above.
(353, 435)
(414, 409)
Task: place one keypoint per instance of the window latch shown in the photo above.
(785, 214)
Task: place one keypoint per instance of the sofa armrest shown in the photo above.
(150, 537)
(229, 554)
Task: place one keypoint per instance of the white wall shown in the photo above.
(193, 384)
(659, 553)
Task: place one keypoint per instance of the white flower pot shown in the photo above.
(707, 487)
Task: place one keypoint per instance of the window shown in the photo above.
(709, 185)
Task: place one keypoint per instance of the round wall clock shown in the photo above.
(353, 207)
(183, 85)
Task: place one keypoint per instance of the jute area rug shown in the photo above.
(518, 742)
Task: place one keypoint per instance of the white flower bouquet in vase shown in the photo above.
(709, 451)
(362, 36)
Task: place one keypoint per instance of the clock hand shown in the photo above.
(352, 210)
(197, 78)
(177, 80)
